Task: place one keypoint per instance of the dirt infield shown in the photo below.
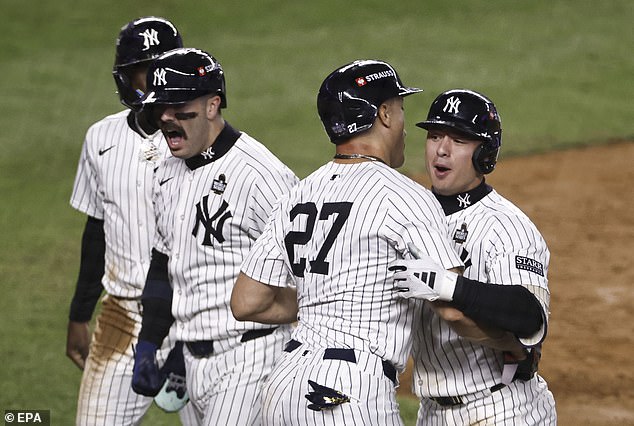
(583, 202)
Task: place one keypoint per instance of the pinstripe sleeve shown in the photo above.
(266, 261)
(86, 191)
(419, 220)
(521, 257)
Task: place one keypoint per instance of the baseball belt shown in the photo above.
(450, 401)
(204, 348)
(344, 354)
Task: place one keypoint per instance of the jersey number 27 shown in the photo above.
(293, 238)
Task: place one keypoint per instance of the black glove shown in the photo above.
(147, 379)
(323, 397)
(174, 370)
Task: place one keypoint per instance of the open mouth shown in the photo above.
(174, 136)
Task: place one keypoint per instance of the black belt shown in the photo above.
(345, 355)
(204, 348)
(450, 401)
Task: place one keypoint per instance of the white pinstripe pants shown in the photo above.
(372, 394)
(105, 394)
(225, 387)
(519, 404)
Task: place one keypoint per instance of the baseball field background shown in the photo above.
(561, 73)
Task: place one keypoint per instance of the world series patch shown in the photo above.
(219, 185)
(529, 265)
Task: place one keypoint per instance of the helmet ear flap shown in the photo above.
(485, 157)
(127, 95)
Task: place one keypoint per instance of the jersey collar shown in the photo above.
(454, 203)
(225, 140)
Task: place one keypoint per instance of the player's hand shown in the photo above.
(147, 379)
(78, 342)
(423, 278)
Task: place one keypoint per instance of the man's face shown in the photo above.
(448, 160)
(185, 127)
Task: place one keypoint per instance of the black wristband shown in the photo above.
(91, 270)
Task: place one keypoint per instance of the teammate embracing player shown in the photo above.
(463, 381)
(325, 254)
(113, 186)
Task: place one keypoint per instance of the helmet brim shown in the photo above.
(406, 91)
(175, 96)
(434, 124)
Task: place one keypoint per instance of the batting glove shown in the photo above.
(423, 278)
(146, 377)
(173, 395)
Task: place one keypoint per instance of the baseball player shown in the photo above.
(212, 199)
(325, 255)
(113, 188)
(459, 380)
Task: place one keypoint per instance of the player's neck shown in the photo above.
(358, 150)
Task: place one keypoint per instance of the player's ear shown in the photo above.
(383, 114)
(212, 106)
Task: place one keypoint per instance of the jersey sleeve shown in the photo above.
(520, 256)
(420, 221)
(160, 235)
(266, 189)
(86, 196)
(266, 261)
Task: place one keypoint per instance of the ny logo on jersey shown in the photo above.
(463, 201)
(150, 38)
(208, 154)
(159, 77)
(452, 105)
(202, 216)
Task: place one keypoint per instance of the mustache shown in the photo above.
(173, 130)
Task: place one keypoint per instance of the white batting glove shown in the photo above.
(423, 278)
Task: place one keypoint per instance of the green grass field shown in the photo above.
(559, 71)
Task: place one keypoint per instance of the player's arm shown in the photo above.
(87, 291)
(511, 308)
(155, 325)
(493, 337)
(252, 300)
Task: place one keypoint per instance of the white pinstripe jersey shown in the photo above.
(334, 237)
(500, 245)
(114, 183)
(209, 211)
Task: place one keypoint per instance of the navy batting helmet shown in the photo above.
(349, 97)
(183, 75)
(139, 42)
(472, 114)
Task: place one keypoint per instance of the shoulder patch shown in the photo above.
(529, 265)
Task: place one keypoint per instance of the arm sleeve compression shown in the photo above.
(156, 301)
(509, 307)
(91, 270)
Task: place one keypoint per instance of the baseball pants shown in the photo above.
(225, 386)
(519, 404)
(372, 393)
(105, 395)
